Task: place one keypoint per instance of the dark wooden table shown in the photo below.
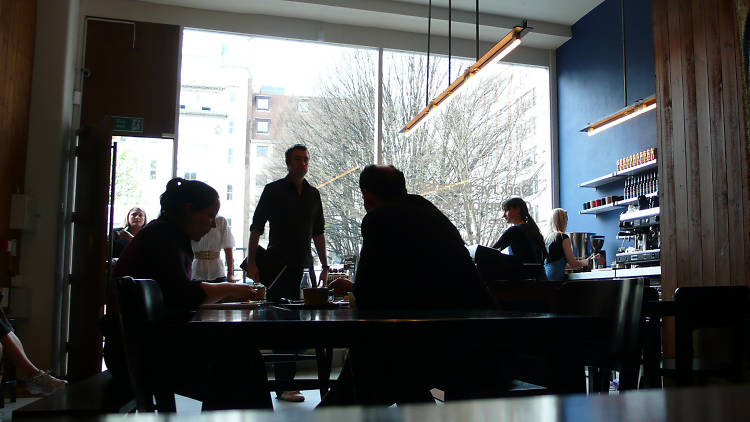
(725, 403)
(279, 327)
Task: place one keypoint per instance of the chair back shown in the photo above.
(525, 295)
(620, 302)
(711, 307)
(141, 314)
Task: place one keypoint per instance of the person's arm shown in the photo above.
(230, 264)
(220, 291)
(227, 243)
(320, 247)
(260, 217)
(252, 267)
(504, 241)
(567, 247)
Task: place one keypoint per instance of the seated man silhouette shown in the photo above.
(412, 257)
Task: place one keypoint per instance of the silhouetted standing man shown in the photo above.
(295, 214)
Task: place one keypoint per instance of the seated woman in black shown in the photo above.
(560, 248)
(134, 222)
(194, 367)
(523, 237)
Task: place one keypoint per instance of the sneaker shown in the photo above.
(292, 396)
(43, 384)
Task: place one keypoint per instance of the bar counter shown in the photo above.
(610, 273)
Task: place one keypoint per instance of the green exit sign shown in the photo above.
(127, 124)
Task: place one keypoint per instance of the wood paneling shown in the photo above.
(702, 150)
(17, 23)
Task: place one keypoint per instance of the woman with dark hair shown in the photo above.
(134, 222)
(523, 237)
(162, 251)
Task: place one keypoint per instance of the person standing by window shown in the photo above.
(207, 265)
(293, 209)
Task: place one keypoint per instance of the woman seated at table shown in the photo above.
(161, 251)
(522, 238)
(561, 248)
(134, 222)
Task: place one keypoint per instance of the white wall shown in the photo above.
(50, 131)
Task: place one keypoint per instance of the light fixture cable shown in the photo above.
(429, 35)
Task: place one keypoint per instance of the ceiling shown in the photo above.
(551, 19)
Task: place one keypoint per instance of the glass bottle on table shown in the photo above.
(305, 283)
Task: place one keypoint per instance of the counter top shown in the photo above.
(616, 273)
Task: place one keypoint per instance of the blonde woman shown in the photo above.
(560, 247)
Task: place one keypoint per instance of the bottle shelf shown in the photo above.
(650, 212)
(618, 175)
(602, 209)
(634, 200)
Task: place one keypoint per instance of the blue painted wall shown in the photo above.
(590, 87)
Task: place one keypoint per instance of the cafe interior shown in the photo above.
(629, 114)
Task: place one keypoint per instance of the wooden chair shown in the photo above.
(726, 307)
(620, 302)
(141, 313)
(323, 358)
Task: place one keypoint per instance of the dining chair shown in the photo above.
(723, 309)
(8, 381)
(141, 313)
(620, 303)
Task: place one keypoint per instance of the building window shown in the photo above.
(190, 175)
(231, 127)
(229, 224)
(262, 103)
(152, 171)
(262, 125)
(230, 155)
(303, 106)
(229, 192)
(261, 151)
(206, 108)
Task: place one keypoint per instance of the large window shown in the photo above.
(490, 142)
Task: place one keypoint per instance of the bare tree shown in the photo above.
(466, 160)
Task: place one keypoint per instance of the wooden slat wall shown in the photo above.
(17, 23)
(702, 148)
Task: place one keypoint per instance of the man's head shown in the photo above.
(297, 159)
(380, 184)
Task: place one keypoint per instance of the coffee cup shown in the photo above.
(315, 296)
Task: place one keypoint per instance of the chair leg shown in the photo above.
(324, 359)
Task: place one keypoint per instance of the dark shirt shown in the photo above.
(162, 252)
(522, 244)
(294, 219)
(556, 247)
(413, 257)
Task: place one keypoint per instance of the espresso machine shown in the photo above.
(640, 225)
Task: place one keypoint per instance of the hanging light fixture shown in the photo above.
(627, 113)
(494, 55)
(631, 110)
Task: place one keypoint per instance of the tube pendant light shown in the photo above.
(631, 110)
(494, 55)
